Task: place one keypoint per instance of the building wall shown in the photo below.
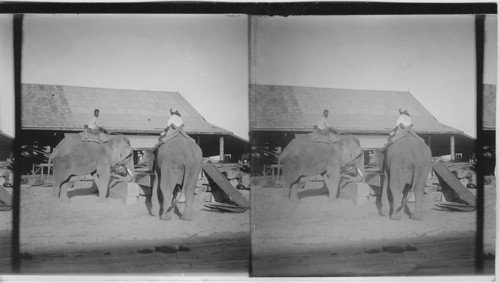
(372, 141)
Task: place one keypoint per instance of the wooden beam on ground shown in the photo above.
(224, 184)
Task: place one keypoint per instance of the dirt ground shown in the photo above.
(49, 227)
(281, 229)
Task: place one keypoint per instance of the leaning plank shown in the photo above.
(454, 183)
(224, 184)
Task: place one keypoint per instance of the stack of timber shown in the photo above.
(237, 174)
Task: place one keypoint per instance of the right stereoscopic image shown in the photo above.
(363, 132)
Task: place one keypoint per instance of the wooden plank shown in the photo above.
(450, 179)
(224, 184)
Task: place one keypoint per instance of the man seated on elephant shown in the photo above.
(174, 126)
(94, 127)
(323, 127)
(403, 122)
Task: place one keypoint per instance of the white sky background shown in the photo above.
(431, 56)
(204, 57)
(7, 124)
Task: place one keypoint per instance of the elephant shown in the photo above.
(75, 157)
(304, 157)
(177, 162)
(406, 163)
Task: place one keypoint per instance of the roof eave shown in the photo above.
(123, 131)
(357, 131)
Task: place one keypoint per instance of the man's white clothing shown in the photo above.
(175, 120)
(323, 124)
(93, 124)
(405, 120)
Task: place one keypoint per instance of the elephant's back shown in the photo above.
(304, 156)
(181, 150)
(409, 149)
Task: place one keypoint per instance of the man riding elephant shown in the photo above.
(305, 157)
(404, 125)
(74, 156)
(323, 128)
(175, 125)
(95, 128)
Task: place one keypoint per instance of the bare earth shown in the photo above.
(316, 238)
(87, 236)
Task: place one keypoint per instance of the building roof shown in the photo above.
(68, 108)
(489, 106)
(294, 108)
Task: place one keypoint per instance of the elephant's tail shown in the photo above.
(413, 183)
(183, 188)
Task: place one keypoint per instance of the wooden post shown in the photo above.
(452, 147)
(429, 144)
(198, 140)
(221, 148)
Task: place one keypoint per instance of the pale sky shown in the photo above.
(433, 57)
(7, 124)
(204, 57)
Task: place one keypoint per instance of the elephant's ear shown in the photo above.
(350, 149)
(122, 150)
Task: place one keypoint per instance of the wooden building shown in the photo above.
(49, 112)
(278, 113)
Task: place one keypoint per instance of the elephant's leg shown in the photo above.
(167, 186)
(155, 205)
(332, 180)
(104, 173)
(59, 178)
(188, 190)
(293, 192)
(64, 192)
(396, 185)
(382, 200)
(56, 189)
(418, 190)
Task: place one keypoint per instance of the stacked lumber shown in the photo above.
(237, 174)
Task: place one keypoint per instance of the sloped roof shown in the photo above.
(489, 106)
(68, 108)
(294, 108)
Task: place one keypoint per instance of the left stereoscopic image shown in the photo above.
(7, 134)
(134, 144)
